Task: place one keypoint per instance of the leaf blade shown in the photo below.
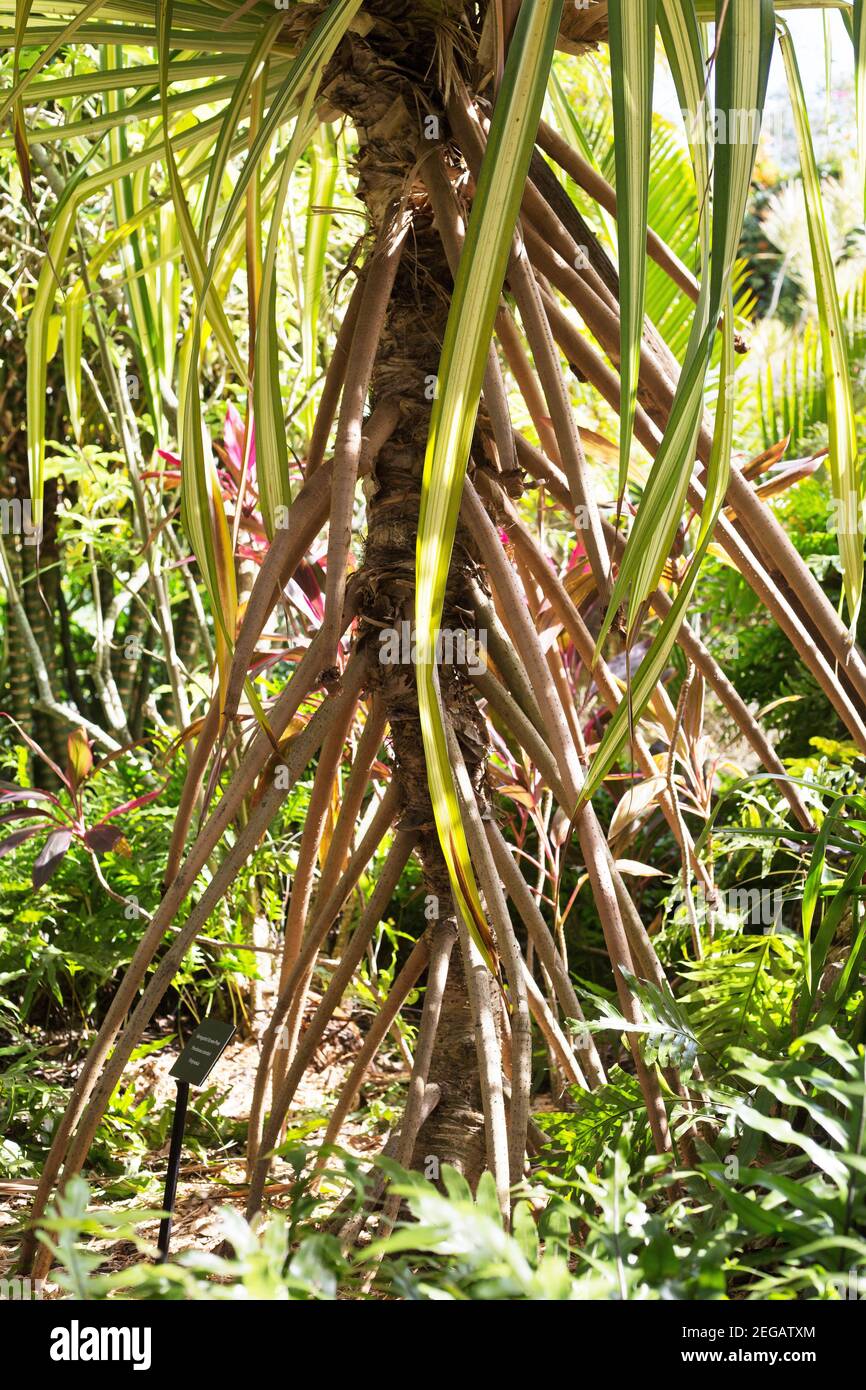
(468, 333)
(632, 51)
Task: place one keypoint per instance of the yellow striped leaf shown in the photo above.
(842, 437)
(468, 333)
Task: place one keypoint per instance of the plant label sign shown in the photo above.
(201, 1054)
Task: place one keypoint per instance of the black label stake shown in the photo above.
(201, 1054)
(171, 1176)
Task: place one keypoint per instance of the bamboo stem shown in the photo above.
(479, 983)
(594, 847)
(358, 781)
(464, 120)
(351, 799)
(451, 231)
(334, 379)
(444, 938)
(602, 193)
(505, 584)
(536, 927)
(606, 381)
(580, 635)
(553, 1035)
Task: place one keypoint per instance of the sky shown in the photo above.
(807, 30)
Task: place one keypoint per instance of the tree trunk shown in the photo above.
(368, 81)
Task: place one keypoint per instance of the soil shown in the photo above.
(209, 1184)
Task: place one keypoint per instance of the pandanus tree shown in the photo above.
(479, 293)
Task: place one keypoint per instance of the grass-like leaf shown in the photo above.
(744, 47)
(480, 276)
(844, 465)
(632, 30)
(649, 672)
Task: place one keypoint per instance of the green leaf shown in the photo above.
(744, 47)
(842, 438)
(632, 54)
(57, 42)
(323, 181)
(306, 71)
(858, 37)
(645, 680)
(73, 334)
(80, 757)
(194, 254)
(829, 926)
(684, 48)
(815, 874)
(202, 511)
(468, 333)
(272, 455)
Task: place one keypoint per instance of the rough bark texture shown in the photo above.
(379, 81)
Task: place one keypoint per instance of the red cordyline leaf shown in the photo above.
(133, 805)
(51, 856)
(234, 436)
(257, 666)
(17, 838)
(254, 553)
(23, 813)
(80, 763)
(165, 475)
(13, 793)
(102, 838)
(305, 590)
(228, 483)
(577, 557)
(40, 752)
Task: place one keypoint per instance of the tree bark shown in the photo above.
(368, 82)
